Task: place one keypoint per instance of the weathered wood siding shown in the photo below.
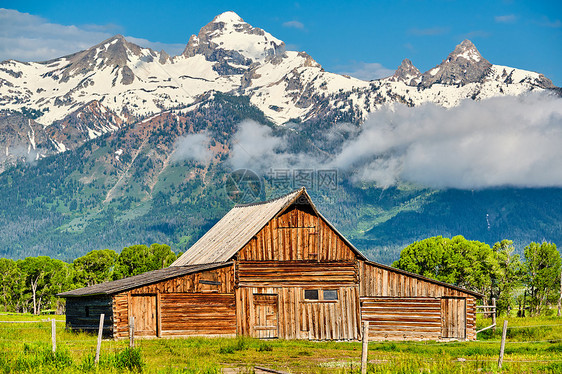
(286, 273)
(402, 318)
(376, 281)
(218, 280)
(198, 314)
(83, 313)
(294, 252)
(457, 319)
(193, 301)
(144, 308)
(299, 318)
(297, 235)
(470, 318)
(121, 315)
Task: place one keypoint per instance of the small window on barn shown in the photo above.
(87, 311)
(311, 294)
(330, 295)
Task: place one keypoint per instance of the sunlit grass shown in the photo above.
(26, 348)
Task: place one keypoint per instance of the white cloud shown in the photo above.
(27, 37)
(508, 18)
(193, 147)
(366, 70)
(504, 141)
(507, 141)
(294, 24)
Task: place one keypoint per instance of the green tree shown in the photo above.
(138, 259)
(43, 279)
(507, 276)
(466, 263)
(10, 285)
(542, 266)
(94, 267)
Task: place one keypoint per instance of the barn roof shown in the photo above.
(120, 285)
(239, 225)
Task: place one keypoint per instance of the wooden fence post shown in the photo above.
(132, 332)
(100, 332)
(494, 313)
(54, 335)
(502, 346)
(365, 349)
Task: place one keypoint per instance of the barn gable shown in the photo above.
(288, 228)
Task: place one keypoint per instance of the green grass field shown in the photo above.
(534, 345)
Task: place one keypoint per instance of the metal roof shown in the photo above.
(150, 277)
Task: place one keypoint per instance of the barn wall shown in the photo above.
(379, 282)
(207, 297)
(296, 235)
(191, 283)
(285, 273)
(83, 313)
(402, 318)
(376, 281)
(297, 318)
(198, 314)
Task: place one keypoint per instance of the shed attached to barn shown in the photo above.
(277, 269)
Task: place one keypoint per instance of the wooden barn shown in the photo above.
(277, 269)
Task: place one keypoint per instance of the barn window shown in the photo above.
(330, 295)
(311, 294)
(321, 295)
(87, 311)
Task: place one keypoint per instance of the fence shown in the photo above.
(21, 325)
(502, 342)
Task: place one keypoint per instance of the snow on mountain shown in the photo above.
(79, 97)
(230, 40)
(407, 73)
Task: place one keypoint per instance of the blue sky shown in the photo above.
(368, 39)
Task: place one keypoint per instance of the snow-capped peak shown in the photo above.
(406, 73)
(228, 17)
(464, 65)
(227, 39)
(466, 50)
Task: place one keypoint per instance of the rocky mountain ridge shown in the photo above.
(62, 103)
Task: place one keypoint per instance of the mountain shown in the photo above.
(90, 144)
(76, 98)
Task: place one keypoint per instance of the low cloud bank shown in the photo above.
(504, 141)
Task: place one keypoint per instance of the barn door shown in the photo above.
(265, 316)
(453, 318)
(143, 308)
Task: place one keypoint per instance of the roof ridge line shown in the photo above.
(270, 200)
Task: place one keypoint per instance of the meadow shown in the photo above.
(534, 345)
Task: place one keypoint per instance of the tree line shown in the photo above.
(531, 284)
(31, 285)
